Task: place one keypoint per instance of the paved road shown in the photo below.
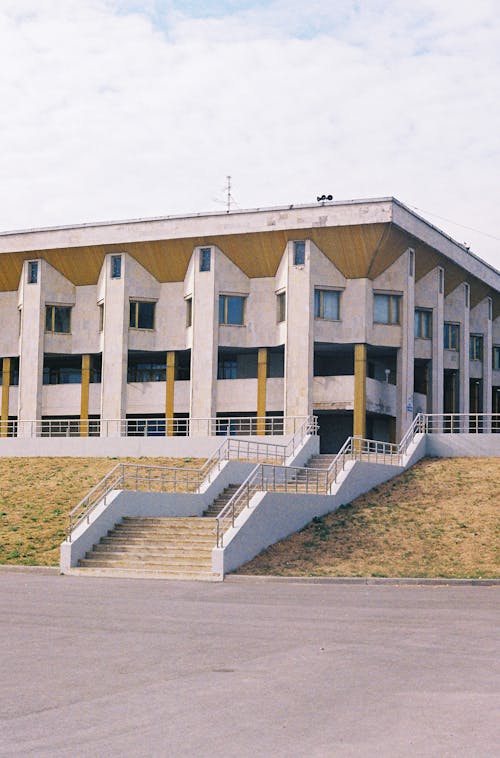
(102, 667)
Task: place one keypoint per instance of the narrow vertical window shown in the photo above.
(411, 262)
(280, 306)
(467, 295)
(32, 272)
(299, 253)
(189, 311)
(490, 309)
(441, 280)
(116, 266)
(205, 258)
(101, 316)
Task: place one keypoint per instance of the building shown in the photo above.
(360, 312)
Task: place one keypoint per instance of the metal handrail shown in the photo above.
(134, 476)
(224, 426)
(156, 478)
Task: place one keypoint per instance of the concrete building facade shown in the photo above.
(361, 313)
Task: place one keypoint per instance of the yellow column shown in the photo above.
(169, 391)
(359, 422)
(261, 389)
(84, 400)
(4, 431)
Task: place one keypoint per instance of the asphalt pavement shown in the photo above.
(112, 667)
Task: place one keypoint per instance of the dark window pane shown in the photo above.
(133, 314)
(116, 266)
(381, 309)
(235, 310)
(205, 256)
(62, 319)
(146, 318)
(48, 318)
(299, 253)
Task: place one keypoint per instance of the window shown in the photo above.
(101, 316)
(116, 266)
(227, 368)
(62, 369)
(142, 314)
(205, 258)
(386, 309)
(441, 280)
(280, 306)
(327, 304)
(423, 324)
(32, 272)
(189, 311)
(299, 253)
(58, 319)
(496, 357)
(14, 371)
(490, 309)
(476, 347)
(466, 294)
(411, 262)
(231, 309)
(451, 334)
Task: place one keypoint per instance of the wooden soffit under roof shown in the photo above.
(358, 251)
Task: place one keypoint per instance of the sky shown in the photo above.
(116, 109)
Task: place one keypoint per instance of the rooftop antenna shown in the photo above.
(229, 200)
(228, 194)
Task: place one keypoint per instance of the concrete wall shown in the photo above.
(463, 446)
(272, 516)
(119, 447)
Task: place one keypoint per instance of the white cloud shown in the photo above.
(127, 109)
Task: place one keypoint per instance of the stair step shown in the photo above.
(170, 550)
(139, 564)
(200, 576)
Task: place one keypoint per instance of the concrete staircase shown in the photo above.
(321, 461)
(175, 548)
(218, 504)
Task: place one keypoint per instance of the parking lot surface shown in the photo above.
(112, 667)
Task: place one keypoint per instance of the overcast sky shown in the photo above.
(115, 109)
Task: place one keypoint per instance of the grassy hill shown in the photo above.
(440, 518)
(36, 495)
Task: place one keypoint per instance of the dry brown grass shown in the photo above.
(36, 495)
(440, 518)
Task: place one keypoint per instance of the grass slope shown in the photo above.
(36, 495)
(440, 518)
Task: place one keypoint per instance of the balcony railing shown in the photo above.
(221, 426)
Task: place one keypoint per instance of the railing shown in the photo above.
(309, 481)
(171, 479)
(460, 423)
(224, 426)
(131, 476)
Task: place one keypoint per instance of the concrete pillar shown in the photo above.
(437, 384)
(261, 389)
(488, 364)
(205, 339)
(359, 420)
(114, 348)
(84, 397)
(31, 349)
(4, 430)
(406, 353)
(299, 347)
(169, 392)
(464, 361)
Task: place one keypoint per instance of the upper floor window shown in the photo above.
(116, 266)
(32, 272)
(281, 306)
(13, 375)
(386, 308)
(189, 311)
(231, 309)
(299, 253)
(142, 314)
(476, 347)
(451, 335)
(423, 324)
(496, 357)
(205, 258)
(327, 304)
(58, 318)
